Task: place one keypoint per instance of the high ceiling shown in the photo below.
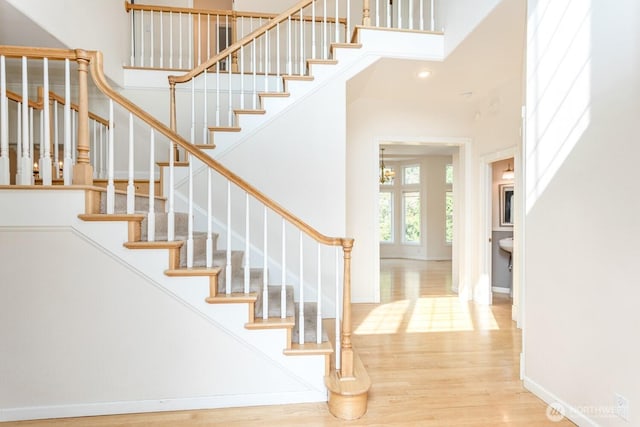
(469, 81)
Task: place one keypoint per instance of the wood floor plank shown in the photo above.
(433, 361)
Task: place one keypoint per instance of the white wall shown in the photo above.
(102, 25)
(458, 18)
(433, 189)
(581, 252)
(77, 342)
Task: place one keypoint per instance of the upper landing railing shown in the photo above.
(183, 38)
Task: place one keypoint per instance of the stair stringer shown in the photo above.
(266, 346)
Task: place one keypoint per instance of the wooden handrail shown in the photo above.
(240, 43)
(230, 13)
(18, 98)
(55, 97)
(101, 82)
(37, 52)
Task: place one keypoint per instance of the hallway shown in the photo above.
(432, 361)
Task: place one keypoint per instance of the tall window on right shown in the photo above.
(448, 209)
(411, 213)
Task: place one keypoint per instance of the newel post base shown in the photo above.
(348, 396)
(82, 174)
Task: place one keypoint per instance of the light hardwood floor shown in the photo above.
(433, 361)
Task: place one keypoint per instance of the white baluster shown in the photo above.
(432, 23)
(171, 229)
(242, 77)
(170, 39)
(142, 38)
(131, 188)
(266, 59)
(228, 270)
(56, 139)
(301, 302)
(377, 13)
(301, 41)
(337, 27)
(229, 93)
(265, 266)
(132, 60)
(31, 146)
(151, 36)
(190, 38)
(338, 342)
(319, 298)
(389, 6)
(399, 14)
(67, 170)
(5, 177)
(283, 289)
(199, 33)
(161, 41)
(313, 29)
(111, 190)
(348, 28)
(209, 242)
(26, 175)
(247, 247)
(180, 40)
(190, 219)
(94, 146)
(45, 134)
(208, 36)
(205, 125)
(410, 14)
(289, 47)
(103, 155)
(278, 79)
(151, 216)
(19, 143)
(193, 111)
(218, 94)
(74, 135)
(254, 94)
(421, 26)
(325, 46)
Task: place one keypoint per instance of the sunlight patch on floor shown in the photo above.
(427, 314)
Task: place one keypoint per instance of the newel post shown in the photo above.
(82, 170)
(366, 13)
(346, 368)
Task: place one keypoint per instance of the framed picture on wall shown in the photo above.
(506, 205)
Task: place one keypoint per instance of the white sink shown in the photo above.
(506, 244)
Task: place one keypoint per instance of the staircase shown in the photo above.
(257, 278)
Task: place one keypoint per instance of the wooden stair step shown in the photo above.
(232, 298)
(344, 46)
(191, 272)
(224, 129)
(248, 111)
(297, 77)
(271, 323)
(134, 220)
(322, 62)
(175, 164)
(309, 348)
(274, 94)
(206, 146)
(177, 244)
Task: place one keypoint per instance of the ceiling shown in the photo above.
(471, 80)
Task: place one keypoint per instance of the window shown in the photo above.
(448, 209)
(411, 175)
(411, 216)
(448, 174)
(385, 208)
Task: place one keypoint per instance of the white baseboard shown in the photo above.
(576, 415)
(131, 407)
(500, 290)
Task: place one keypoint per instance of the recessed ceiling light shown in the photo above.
(424, 74)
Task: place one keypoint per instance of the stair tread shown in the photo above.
(271, 323)
(249, 111)
(309, 348)
(195, 271)
(225, 128)
(154, 245)
(112, 217)
(274, 94)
